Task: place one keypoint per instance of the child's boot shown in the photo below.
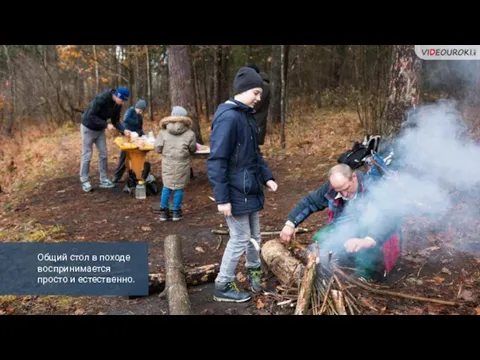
(164, 214)
(177, 215)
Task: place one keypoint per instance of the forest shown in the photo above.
(323, 99)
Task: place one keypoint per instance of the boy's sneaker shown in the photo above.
(86, 186)
(106, 184)
(164, 214)
(254, 277)
(177, 215)
(230, 293)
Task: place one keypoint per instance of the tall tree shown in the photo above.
(181, 84)
(278, 57)
(404, 87)
(149, 83)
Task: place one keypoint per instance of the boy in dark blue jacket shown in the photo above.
(238, 173)
(133, 121)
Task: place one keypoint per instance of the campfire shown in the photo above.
(320, 288)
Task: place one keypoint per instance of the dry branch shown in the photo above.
(306, 286)
(265, 233)
(391, 293)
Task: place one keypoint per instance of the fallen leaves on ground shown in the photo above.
(426, 252)
(259, 304)
(467, 295)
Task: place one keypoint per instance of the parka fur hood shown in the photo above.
(176, 124)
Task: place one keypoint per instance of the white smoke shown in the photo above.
(435, 164)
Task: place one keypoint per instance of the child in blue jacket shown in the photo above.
(133, 121)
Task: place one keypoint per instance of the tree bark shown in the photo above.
(404, 88)
(282, 263)
(182, 89)
(175, 284)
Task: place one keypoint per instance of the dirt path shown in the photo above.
(433, 268)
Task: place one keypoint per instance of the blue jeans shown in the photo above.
(177, 198)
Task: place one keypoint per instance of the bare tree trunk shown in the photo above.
(136, 71)
(205, 88)
(275, 110)
(45, 63)
(11, 123)
(282, 94)
(225, 78)
(201, 91)
(95, 59)
(182, 89)
(216, 75)
(404, 87)
(198, 97)
(149, 84)
(278, 71)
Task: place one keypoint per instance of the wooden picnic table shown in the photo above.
(135, 158)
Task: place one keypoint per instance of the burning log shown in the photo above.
(281, 263)
(175, 284)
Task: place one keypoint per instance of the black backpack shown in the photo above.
(151, 186)
(356, 156)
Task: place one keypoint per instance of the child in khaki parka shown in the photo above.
(176, 141)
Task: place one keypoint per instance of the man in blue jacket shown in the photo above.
(358, 230)
(104, 106)
(238, 173)
(132, 121)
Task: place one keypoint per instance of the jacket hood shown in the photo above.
(233, 104)
(176, 125)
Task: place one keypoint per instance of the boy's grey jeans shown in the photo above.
(90, 137)
(241, 228)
